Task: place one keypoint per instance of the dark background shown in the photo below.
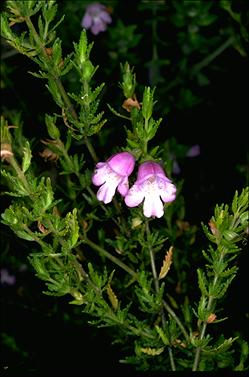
(52, 339)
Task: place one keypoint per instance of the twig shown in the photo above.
(198, 67)
(204, 325)
(203, 63)
(19, 173)
(109, 256)
(156, 282)
(59, 85)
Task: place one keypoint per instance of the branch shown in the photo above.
(109, 256)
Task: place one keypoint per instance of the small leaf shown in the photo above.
(202, 282)
(74, 226)
(166, 263)
(112, 297)
(162, 335)
(152, 351)
(220, 348)
(24, 235)
(26, 157)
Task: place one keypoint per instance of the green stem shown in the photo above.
(173, 83)
(156, 282)
(36, 37)
(9, 54)
(145, 141)
(59, 84)
(109, 256)
(64, 95)
(203, 63)
(152, 259)
(134, 330)
(171, 358)
(83, 274)
(174, 316)
(204, 324)
(154, 69)
(86, 105)
(35, 238)
(91, 150)
(198, 67)
(19, 173)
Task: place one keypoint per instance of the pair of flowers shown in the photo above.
(152, 185)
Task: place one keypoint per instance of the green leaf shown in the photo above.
(74, 227)
(147, 106)
(26, 157)
(49, 10)
(52, 87)
(162, 335)
(53, 131)
(220, 348)
(202, 282)
(24, 235)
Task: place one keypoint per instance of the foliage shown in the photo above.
(121, 268)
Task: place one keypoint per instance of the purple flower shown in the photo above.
(113, 174)
(194, 151)
(96, 18)
(176, 168)
(6, 277)
(154, 187)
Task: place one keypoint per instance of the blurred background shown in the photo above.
(196, 55)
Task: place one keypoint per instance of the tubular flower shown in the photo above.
(96, 18)
(154, 187)
(113, 174)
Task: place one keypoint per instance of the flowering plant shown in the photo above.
(152, 185)
(96, 18)
(113, 235)
(113, 173)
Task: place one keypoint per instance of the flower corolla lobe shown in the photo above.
(96, 18)
(152, 186)
(113, 174)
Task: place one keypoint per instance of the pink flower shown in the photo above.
(154, 187)
(96, 18)
(113, 174)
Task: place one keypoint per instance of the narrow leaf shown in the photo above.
(112, 297)
(152, 351)
(166, 263)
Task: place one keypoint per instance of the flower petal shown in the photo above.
(153, 206)
(149, 169)
(134, 197)
(100, 175)
(168, 193)
(87, 21)
(105, 17)
(122, 163)
(98, 26)
(106, 192)
(123, 187)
